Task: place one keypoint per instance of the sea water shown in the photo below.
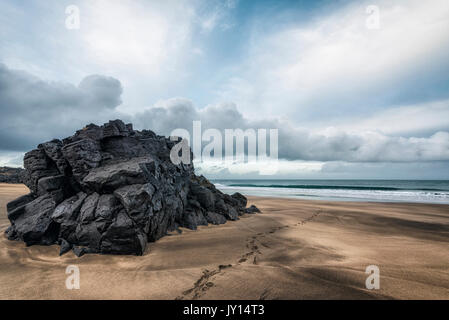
(424, 191)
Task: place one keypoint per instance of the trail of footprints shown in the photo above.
(204, 283)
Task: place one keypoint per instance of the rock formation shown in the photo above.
(111, 189)
(11, 175)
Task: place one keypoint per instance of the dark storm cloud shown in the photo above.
(33, 110)
(299, 143)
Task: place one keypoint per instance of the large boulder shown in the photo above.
(33, 221)
(111, 189)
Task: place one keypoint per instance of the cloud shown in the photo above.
(33, 110)
(294, 169)
(365, 146)
(215, 14)
(381, 170)
(333, 65)
(407, 120)
(142, 34)
(11, 159)
(344, 98)
(296, 143)
(151, 46)
(101, 91)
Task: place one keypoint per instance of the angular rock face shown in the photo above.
(110, 189)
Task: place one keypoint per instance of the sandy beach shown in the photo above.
(294, 249)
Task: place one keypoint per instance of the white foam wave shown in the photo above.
(344, 195)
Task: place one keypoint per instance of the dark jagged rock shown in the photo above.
(110, 189)
(65, 247)
(11, 175)
(251, 210)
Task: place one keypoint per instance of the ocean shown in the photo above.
(422, 191)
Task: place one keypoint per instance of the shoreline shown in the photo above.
(343, 200)
(333, 202)
(402, 191)
(294, 249)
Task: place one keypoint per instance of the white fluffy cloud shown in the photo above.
(146, 35)
(33, 110)
(295, 143)
(408, 120)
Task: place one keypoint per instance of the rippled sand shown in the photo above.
(293, 250)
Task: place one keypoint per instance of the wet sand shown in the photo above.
(295, 249)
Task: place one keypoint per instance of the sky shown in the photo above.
(351, 99)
